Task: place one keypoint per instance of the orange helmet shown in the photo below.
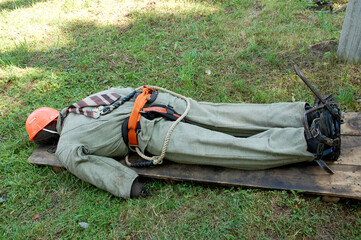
(38, 120)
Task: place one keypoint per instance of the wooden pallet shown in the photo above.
(305, 177)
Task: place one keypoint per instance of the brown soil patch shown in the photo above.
(322, 47)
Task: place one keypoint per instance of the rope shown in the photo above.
(159, 159)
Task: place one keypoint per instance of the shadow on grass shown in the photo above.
(12, 5)
(149, 48)
(82, 54)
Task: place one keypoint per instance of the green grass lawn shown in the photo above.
(56, 52)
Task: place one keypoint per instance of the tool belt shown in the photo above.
(131, 126)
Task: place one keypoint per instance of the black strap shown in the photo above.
(142, 164)
(167, 112)
(108, 109)
(125, 131)
(324, 166)
(153, 97)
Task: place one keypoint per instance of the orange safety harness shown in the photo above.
(132, 123)
(135, 115)
(151, 112)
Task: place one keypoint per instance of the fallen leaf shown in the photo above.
(12, 212)
(36, 216)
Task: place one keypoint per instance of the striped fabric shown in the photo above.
(93, 101)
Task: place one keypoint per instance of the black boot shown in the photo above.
(323, 132)
(138, 190)
(322, 125)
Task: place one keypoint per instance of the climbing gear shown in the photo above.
(39, 119)
(109, 109)
(134, 118)
(102, 100)
(133, 121)
(322, 125)
(149, 113)
(158, 110)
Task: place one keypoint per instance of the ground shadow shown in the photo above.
(126, 52)
(12, 5)
(146, 50)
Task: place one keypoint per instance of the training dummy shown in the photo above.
(97, 129)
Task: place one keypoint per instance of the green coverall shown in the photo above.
(243, 136)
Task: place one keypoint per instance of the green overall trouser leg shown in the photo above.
(244, 136)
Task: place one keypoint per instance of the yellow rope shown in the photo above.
(159, 159)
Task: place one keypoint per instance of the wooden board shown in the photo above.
(350, 150)
(306, 177)
(352, 125)
(42, 156)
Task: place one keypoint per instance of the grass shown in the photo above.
(53, 53)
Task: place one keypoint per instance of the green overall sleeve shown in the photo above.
(103, 172)
(87, 148)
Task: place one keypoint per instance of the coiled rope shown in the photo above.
(159, 159)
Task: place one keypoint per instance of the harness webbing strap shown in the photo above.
(165, 111)
(135, 115)
(156, 109)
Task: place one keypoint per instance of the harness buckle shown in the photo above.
(315, 132)
(105, 110)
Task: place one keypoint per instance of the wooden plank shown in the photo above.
(352, 125)
(350, 150)
(308, 178)
(42, 156)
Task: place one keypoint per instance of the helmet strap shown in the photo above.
(50, 131)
